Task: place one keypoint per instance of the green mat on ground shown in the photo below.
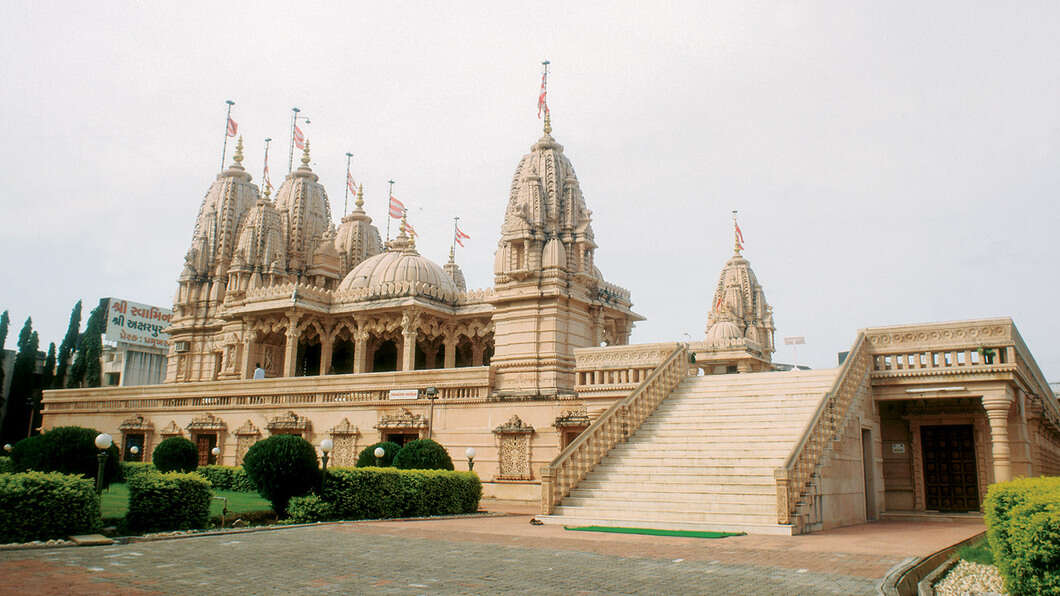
(651, 532)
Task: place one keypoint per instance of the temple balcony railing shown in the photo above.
(615, 371)
(452, 384)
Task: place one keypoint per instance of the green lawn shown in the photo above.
(977, 552)
(115, 502)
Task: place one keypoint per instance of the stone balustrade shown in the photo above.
(614, 371)
(471, 383)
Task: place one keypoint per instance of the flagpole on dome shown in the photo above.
(297, 138)
(456, 228)
(390, 208)
(230, 131)
(265, 170)
(542, 98)
(349, 181)
(737, 235)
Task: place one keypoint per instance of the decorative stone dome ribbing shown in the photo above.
(454, 272)
(401, 271)
(306, 214)
(357, 239)
(261, 247)
(546, 224)
(216, 227)
(740, 307)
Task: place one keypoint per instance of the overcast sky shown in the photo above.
(892, 162)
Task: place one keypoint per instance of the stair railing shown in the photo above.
(615, 425)
(794, 479)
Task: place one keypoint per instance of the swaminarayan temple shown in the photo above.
(363, 342)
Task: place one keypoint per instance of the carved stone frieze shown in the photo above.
(287, 423)
(137, 422)
(248, 429)
(573, 418)
(171, 430)
(404, 420)
(206, 422)
(514, 426)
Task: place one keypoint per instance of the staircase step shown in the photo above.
(725, 526)
(715, 516)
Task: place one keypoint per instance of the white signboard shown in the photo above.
(404, 394)
(137, 324)
(794, 341)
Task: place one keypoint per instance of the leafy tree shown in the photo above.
(176, 454)
(87, 370)
(66, 449)
(66, 348)
(4, 322)
(366, 458)
(23, 384)
(423, 454)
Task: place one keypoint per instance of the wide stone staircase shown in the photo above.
(705, 459)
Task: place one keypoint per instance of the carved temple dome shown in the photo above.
(306, 213)
(356, 238)
(260, 246)
(401, 271)
(739, 308)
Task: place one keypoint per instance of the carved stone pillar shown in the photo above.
(478, 348)
(290, 353)
(360, 350)
(247, 367)
(327, 345)
(997, 408)
(450, 351)
(408, 346)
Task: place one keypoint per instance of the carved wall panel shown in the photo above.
(514, 450)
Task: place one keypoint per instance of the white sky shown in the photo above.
(892, 162)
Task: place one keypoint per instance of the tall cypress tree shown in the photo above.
(67, 347)
(87, 370)
(48, 375)
(4, 322)
(23, 384)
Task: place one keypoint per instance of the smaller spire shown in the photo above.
(452, 254)
(268, 191)
(548, 121)
(305, 155)
(359, 203)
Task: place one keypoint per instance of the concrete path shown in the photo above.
(482, 555)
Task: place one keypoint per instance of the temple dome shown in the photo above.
(740, 306)
(356, 238)
(260, 242)
(401, 271)
(723, 334)
(306, 213)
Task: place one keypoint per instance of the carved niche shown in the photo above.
(514, 449)
(344, 435)
(171, 430)
(406, 420)
(246, 435)
(288, 424)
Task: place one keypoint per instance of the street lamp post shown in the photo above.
(103, 442)
(325, 448)
(470, 453)
(135, 451)
(8, 447)
(379, 453)
(432, 394)
(215, 452)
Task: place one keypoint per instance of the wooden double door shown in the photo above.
(950, 473)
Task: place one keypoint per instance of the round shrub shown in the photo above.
(68, 450)
(175, 454)
(309, 509)
(282, 466)
(366, 459)
(42, 506)
(171, 501)
(423, 454)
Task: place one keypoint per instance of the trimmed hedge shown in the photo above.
(366, 459)
(6, 465)
(281, 467)
(423, 454)
(175, 454)
(1023, 527)
(132, 469)
(227, 478)
(159, 502)
(42, 506)
(67, 450)
(379, 493)
(309, 509)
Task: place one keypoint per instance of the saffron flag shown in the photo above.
(461, 236)
(541, 104)
(232, 127)
(265, 176)
(350, 184)
(410, 229)
(299, 138)
(739, 236)
(397, 208)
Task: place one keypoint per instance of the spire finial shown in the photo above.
(238, 157)
(737, 235)
(305, 155)
(268, 191)
(360, 198)
(548, 121)
(452, 254)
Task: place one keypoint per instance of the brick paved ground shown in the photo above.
(477, 556)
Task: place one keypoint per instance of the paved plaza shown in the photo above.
(480, 555)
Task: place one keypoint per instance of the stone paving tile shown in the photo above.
(334, 559)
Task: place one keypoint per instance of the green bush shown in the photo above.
(379, 493)
(131, 469)
(309, 509)
(423, 454)
(42, 506)
(175, 454)
(1023, 527)
(160, 502)
(281, 467)
(227, 478)
(67, 450)
(6, 465)
(366, 458)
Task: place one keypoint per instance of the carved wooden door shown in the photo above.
(950, 473)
